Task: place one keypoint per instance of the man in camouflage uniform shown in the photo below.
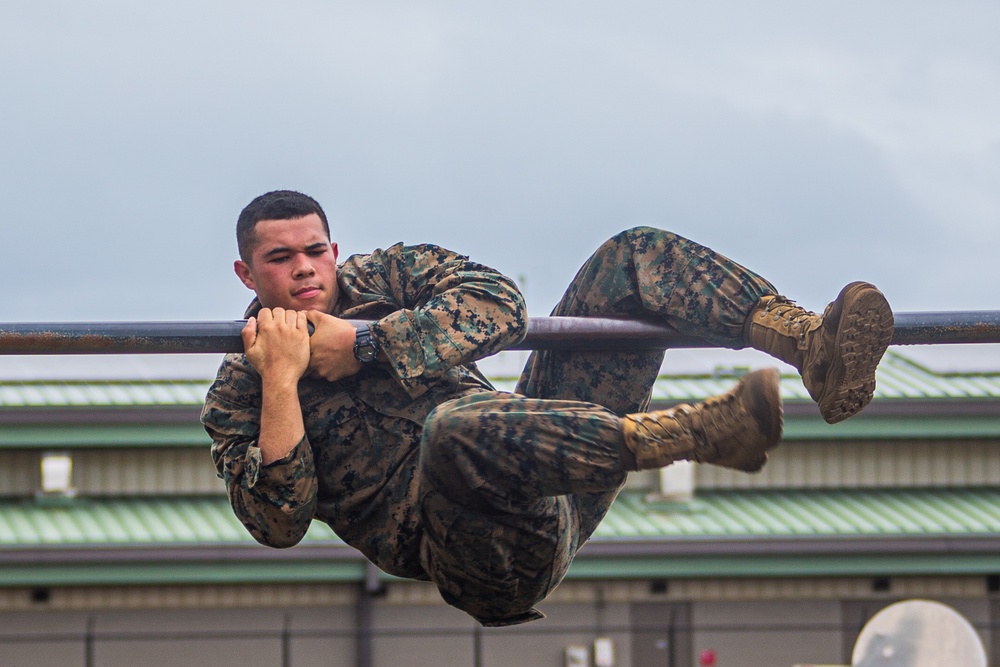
(393, 437)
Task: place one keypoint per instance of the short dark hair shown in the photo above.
(274, 205)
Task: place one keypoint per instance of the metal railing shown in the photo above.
(544, 333)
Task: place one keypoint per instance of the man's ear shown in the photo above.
(336, 251)
(244, 273)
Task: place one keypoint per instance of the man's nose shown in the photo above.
(304, 267)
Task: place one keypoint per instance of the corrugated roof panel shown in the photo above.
(783, 515)
(910, 385)
(126, 521)
(761, 513)
(979, 386)
(9, 395)
(890, 514)
(112, 394)
(745, 517)
(980, 509)
(898, 377)
(831, 512)
(890, 384)
(33, 395)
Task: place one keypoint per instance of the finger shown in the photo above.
(249, 332)
(264, 316)
(301, 319)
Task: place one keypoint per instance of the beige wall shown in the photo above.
(767, 626)
(822, 464)
(866, 464)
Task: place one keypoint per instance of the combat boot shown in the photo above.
(836, 352)
(734, 430)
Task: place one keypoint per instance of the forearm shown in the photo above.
(281, 425)
(274, 500)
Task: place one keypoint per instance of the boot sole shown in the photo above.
(762, 389)
(863, 334)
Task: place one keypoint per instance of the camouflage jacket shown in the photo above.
(434, 313)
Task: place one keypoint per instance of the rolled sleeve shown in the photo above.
(275, 502)
(454, 311)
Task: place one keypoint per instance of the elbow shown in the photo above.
(282, 541)
(520, 329)
(280, 533)
(278, 525)
(518, 315)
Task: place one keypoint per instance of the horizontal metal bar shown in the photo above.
(544, 333)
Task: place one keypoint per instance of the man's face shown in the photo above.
(293, 265)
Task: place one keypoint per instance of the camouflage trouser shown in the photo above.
(513, 484)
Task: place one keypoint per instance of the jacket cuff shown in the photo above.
(279, 473)
(417, 357)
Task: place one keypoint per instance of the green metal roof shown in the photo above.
(899, 377)
(127, 521)
(102, 393)
(72, 436)
(807, 513)
(140, 407)
(736, 513)
(721, 533)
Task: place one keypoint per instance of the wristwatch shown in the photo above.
(365, 347)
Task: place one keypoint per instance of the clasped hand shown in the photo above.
(277, 343)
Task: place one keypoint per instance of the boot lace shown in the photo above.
(720, 420)
(796, 318)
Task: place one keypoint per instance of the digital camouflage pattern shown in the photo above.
(431, 473)
(434, 313)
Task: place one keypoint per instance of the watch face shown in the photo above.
(365, 349)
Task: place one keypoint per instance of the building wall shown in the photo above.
(767, 633)
(747, 622)
(866, 464)
(821, 464)
(776, 622)
(117, 471)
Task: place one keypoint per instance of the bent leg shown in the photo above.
(641, 273)
(651, 274)
(496, 473)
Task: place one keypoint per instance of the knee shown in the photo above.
(641, 236)
(448, 431)
(446, 419)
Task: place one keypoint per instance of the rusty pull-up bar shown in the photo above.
(544, 333)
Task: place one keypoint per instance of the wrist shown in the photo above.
(280, 382)
(366, 347)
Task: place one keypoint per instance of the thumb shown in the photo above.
(314, 317)
(249, 333)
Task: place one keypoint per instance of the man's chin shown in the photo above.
(318, 304)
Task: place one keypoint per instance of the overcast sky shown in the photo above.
(816, 142)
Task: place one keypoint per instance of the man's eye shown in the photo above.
(317, 253)
(278, 260)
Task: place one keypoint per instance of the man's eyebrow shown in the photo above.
(276, 251)
(280, 250)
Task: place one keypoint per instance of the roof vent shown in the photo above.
(57, 475)
(677, 482)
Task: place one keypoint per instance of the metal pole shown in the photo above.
(544, 333)
(88, 643)
(286, 642)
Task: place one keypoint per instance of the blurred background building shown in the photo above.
(118, 546)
